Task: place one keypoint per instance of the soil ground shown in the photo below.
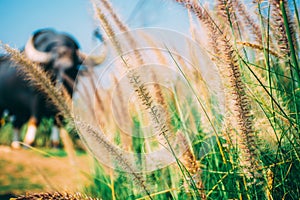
(28, 170)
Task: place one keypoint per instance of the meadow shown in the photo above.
(209, 115)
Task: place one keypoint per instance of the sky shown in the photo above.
(20, 18)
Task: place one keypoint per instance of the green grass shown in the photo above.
(9, 183)
(46, 152)
(272, 85)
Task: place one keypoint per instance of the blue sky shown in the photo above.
(20, 18)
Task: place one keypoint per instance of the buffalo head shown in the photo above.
(59, 53)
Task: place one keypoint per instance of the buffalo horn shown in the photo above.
(92, 60)
(34, 55)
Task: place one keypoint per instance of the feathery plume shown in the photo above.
(281, 33)
(193, 167)
(270, 178)
(236, 93)
(38, 77)
(260, 47)
(142, 92)
(54, 196)
(253, 26)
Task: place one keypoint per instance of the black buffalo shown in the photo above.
(59, 55)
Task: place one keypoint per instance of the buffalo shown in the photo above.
(59, 55)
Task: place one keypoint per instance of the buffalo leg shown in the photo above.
(54, 137)
(16, 139)
(1, 117)
(31, 131)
